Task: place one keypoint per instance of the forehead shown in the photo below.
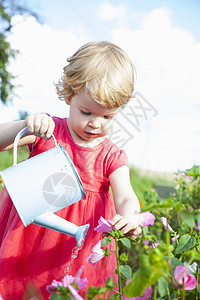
(84, 100)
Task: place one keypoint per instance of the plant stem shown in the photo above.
(168, 294)
(155, 292)
(118, 264)
(183, 293)
(168, 244)
(196, 297)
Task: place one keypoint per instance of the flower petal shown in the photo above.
(95, 257)
(53, 286)
(174, 238)
(165, 224)
(97, 254)
(190, 283)
(103, 226)
(198, 226)
(74, 293)
(82, 283)
(97, 247)
(154, 245)
(78, 275)
(146, 218)
(179, 272)
(67, 280)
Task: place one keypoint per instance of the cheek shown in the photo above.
(108, 126)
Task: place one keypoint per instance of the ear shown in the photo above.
(69, 98)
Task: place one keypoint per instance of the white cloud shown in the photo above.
(168, 67)
(158, 19)
(43, 54)
(107, 11)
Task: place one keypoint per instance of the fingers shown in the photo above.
(128, 225)
(40, 125)
(134, 233)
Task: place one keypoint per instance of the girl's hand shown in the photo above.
(130, 226)
(41, 125)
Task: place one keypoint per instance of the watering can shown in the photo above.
(52, 182)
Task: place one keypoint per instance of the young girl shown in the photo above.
(97, 81)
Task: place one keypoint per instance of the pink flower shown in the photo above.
(146, 218)
(154, 245)
(165, 224)
(146, 295)
(145, 242)
(81, 282)
(174, 238)
(198, 226)
(182, 275)
(97, 254)
(67, 282)
(54, 285)
(104, 226)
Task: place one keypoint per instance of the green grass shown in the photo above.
(6, 157)
(140, 183)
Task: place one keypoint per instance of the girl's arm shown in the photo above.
(37, 124)
(8, 132)
(126, 203)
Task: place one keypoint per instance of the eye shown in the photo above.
(86, 113)
(109, 117)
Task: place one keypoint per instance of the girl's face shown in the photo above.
(89, 120)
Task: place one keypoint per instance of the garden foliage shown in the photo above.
(163, 262)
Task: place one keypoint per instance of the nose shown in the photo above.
(94, 123)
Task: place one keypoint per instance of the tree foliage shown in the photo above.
(9, 9)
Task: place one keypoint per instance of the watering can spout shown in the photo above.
(52, 221)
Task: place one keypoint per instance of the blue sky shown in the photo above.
(163, 40)
(73, 13)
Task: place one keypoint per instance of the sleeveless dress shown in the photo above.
(31, 257)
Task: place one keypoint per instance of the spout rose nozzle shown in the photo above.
(81, 233)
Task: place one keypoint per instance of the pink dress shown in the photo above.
(31, 257)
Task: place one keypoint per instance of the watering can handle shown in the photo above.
(17, 138)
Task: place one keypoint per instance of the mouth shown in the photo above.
(91, 134)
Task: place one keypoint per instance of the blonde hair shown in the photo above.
(103, 69)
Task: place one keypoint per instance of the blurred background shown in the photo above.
(161, 37)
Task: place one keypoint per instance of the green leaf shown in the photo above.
(107, 252)
(126, 242)
(54, 296)
(187, 218)
(126, 271)
(158, 269)
(140, 279)
(166, 203)
(175, 262)
(93, 291)
(110, 284)
(162, 286)
(124, 257)
(194, 171)
(186, 242)
(114, 297)
(106, 241)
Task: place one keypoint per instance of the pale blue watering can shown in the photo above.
(50, 183)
